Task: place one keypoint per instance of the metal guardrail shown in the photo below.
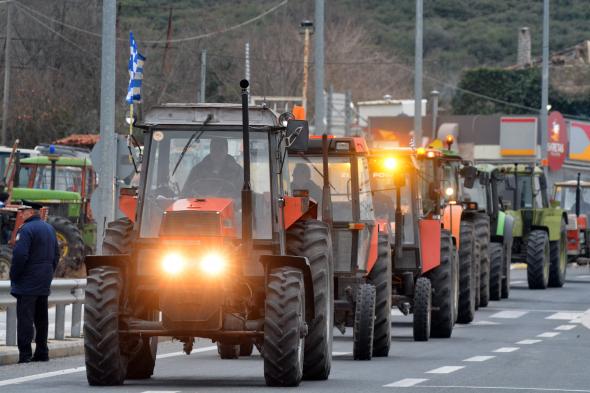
(63, 293)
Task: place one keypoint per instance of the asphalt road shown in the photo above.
(537, 341)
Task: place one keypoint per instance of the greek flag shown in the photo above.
(135, 67)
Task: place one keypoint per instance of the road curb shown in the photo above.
(57, 349)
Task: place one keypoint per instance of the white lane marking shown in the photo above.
(341, 353)
(528, 342)
(397, 313)
(583, 276)
(508, 314)
(548, 334)
(66, 371)
(517, 282)
(531, 389)
(482, 323)
(585, 319)
(405, 383)
(565, 327)
(445, 370)
(565, 316)
(479, 358)
(506, 349)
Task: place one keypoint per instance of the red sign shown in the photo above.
(556, 141)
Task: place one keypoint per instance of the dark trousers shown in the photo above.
(32, 311)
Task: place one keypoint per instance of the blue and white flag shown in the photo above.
(135, 67)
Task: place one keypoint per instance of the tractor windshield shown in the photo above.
(567, 198)
(67, 178)
(476, 194)
(212, 167)
(528, 192)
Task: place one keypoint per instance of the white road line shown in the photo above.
(565, 316)
(506, 349)
(583, 276)
(341, 353)
(548, 334)
(479, 358)
(565, 327)
(517, 282)
(482, 323)
(508, 314)
(528, 342)
(530, 389)
(405, 383)
(445, 370)
(397, 313)
(66, 371)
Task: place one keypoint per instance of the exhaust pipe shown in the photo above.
(246, 189)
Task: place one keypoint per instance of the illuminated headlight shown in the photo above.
(173, 263)
(213, 264)
(390, 163)
(449, 191)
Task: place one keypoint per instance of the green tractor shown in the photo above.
(483, 197)
(64, 185)
(539, 231)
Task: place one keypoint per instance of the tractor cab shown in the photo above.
(574, 197)
(216, 243)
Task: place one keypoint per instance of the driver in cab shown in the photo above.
(217, 167)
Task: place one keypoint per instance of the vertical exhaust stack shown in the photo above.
(326, 198)
(246, 189)
(578, 195)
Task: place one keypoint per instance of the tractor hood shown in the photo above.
(45, 196)
(199, 217)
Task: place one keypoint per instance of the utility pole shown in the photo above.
(434, 96)
(247, 63)
(348, 113)
(545, 80)
(7, 54)
(320, 107)
(203, 74)
(106, 169)
(329, 109)
(306, 28)
(418, 77)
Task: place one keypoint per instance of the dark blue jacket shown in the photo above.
(34, 258)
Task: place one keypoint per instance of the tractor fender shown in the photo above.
(508, 226)
(302, 263)
(118, 260)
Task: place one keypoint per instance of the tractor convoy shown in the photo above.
(245, 230)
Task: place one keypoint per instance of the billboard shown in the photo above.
(518, 136)
(579, 141)
(556, 141)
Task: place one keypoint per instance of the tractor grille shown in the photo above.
(343, 250)
(191, 223)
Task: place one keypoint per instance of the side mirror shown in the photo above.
(509, 183)
(469, 174)
(543, 182)
(297, 135)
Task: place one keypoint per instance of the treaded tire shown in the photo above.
(5, 262)
(71, 244)
(312, 239)
(380, 277)
(558, 259)
(496, 265)
(467, 281)
(284, 327)
(246, 349)
(105, 363)
(422, 309)
(482, 235)
(118, 237)
(364, 322)
(228, 351)
(506, 269)
(141, 365)
(441, 279)
(537, 259)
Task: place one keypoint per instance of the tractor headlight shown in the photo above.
(390, 163)
(213, 264)
(449, 191)
(173, 263)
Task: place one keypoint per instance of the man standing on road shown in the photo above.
(34, 260)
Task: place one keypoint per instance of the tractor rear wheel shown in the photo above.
(496, 266)
(422, 309)
(118, 237)
(311, 239)
(5, 262)
(442, 281)
(380, 277)
(558, 258)
(228, 351)
(284, 327)
(71, 245)
(106, 365)
(537, 259)
(364, 322)
(482, 235)
(467, 281)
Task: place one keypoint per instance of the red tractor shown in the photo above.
(217, 244)
(362, 276)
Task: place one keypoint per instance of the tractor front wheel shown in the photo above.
(482, 234)
(5, 262)
(228, 351)
(422, 309)
(380, 277)
(496, 266)
(537, 259)
(467, 281)
(364, 322)
(442, 280)
(71, 245)
(558, 258)
(506, 269)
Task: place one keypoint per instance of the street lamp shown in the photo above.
(306, 28)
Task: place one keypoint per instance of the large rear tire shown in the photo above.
(558, 259)
(482, 235)
(284, 327)
(311, 239)
(422, 309)
(441, 278)
(380, 277)
(467, 281)
(105, 363)
(118, 237)
(364, 322)
(71, 245)
(5, 262)
(537, 259)
(496, 266)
